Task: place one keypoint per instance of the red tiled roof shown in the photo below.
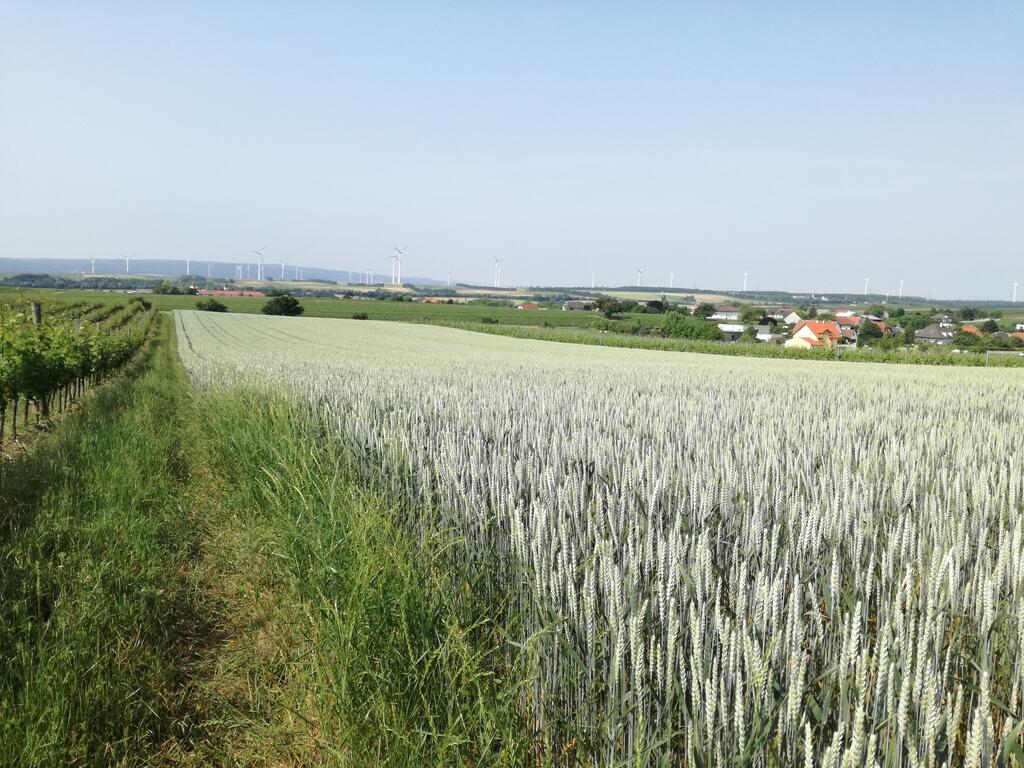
(970, 329)
(819, 329)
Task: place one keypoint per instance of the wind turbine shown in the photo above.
(449, 278)
(127, 263)
(745, 281)
(639, 273)
(282, 270)
(671, 280)
(188, 265)
(396, 264)
(1014, 299)
(94, 266)
(866, 281)
(593, 277)
(901, 289)
(207, 270)
(497, 272)
(259, 262)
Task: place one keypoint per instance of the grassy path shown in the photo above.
(194, 581)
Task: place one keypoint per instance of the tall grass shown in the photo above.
(400, 668)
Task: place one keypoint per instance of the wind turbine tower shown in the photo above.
(866, 281)
(449, 278)
(1014, 293)
(745, 281)
(497, 272)
(94, 266)
(901, 289)
(671, 280)
(259, 262)
(127, 263)
(282, 270)
(396, 266)
(639, 274)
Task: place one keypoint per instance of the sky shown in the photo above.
(810, 144)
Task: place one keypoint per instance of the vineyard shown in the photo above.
(47, 362)
(692, 560)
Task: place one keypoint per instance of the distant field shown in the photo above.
(412, 312)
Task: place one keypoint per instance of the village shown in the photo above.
(809, 328)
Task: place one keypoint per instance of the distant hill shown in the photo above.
(176, 268)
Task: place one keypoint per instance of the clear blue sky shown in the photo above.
(811, 144)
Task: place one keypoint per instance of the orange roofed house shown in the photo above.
(811, 335)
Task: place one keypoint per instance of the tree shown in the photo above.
(968, 313)
(680, 327)
(868, 333)
(211, 305)
(878, 310)
(704, 310)
(989, 326)
(898, 312)
(283, 305)
(751, 314)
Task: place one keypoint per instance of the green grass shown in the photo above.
(389, 665)
(95, 605)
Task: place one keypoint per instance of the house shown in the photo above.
(766, 333)
(723, 312)
(852, 322)
(935, 334)
(1020, 327)
(971, 329)
(731, 331)
(787, 315)
(578, 305)
(528, 305)
(809, 334)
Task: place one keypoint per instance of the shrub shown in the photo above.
(211, 305)
(360, 316)
(283, 305)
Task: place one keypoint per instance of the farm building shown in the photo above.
(528, 305)
(578, 305)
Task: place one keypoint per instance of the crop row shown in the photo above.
(50, 364)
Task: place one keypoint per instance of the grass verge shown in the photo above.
(363, 649)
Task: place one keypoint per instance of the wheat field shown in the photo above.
(700, 559)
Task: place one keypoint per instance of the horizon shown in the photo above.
(809, 147)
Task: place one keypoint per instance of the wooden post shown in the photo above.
(37, 313)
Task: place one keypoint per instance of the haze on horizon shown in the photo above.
(810, 145)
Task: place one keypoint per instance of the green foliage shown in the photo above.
(680, 327)
(704, 310)
(868, 332)
(283, 305)
(38, 361)
(967, 313)
(989, 326)
(360, 316)
(211, 305)
(752, 314)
